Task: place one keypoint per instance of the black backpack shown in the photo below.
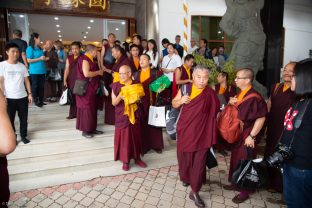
(173, 117)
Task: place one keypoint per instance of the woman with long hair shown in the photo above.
(152, 52)
(37, 68)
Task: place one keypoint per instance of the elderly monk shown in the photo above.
(196, 130)
(252, 113)
(70, 75)
(281, 98)
(127, 139)
(152, 137)
(87, 104)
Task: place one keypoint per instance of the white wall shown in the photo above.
(171, 15)
(298, 29)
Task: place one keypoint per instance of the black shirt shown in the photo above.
(302, 138)
(22, 45)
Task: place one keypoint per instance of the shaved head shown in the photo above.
(248, 73)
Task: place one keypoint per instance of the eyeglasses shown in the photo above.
(242, 78)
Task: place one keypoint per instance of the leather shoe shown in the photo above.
(185, 184)
(87, 135)
(239, 199)
(230, 187)
(70, 117)
(125, 166)
(98, 132)
(25, 140)
(140, 163)
(198, 201)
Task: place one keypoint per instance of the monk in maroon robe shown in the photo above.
(252, 113)
(87, 104)
(70, 76)
(183, 74)
(281, 98)
(7, 145)
(121, 60)
(107, 63)
(127, 138)
(224, 92)
(196, 131)
(152, 137)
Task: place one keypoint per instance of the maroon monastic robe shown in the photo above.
(127, 138)
(108, 62)
(280, 103)
(4, 182)
(152, 137)
(72, 76)
(87, 104)
(249, 112)
(196, 133)
(229, 92)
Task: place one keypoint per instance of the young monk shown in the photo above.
(196, 130)
(280, 100)
(252, 113)
(87, 104)
(70, 75)
(121, 59)
(127, 139)
(134, 56)
(107, 61)
(152, 137)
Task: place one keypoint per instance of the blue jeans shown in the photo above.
(297, 187)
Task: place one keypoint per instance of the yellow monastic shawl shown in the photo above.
(116, 77)
(131, 93)
(243, 93)
(195, 92)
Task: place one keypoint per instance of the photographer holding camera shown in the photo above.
(294, 149)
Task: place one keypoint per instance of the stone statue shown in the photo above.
(242, 21)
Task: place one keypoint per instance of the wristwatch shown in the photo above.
(253, 137)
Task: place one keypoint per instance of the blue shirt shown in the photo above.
(165, 52)
(37, 67)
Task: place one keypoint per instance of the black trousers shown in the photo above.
(21, 107)
(37, 87)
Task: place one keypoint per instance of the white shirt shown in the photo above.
(191, 50)
(153, 61)
(14, 78)
(172, 62)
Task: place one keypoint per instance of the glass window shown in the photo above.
(208, 27)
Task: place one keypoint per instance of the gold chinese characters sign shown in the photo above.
(81, 6)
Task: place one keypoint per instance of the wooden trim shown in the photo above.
(66, 13)
(4, 33)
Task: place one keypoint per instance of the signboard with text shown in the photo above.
(80, 6)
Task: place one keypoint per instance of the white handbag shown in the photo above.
(157, 116)
(63, 99)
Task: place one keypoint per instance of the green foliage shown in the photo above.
(227, 67)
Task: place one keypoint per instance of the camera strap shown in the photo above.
(298, 121)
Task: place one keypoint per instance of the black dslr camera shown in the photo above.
(282, 153)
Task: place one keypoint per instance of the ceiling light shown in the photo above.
(92, 21)
(57, 25)
(87, 32)
(219, 32)
(21, 16)
(123, 23)
(41, 42)
(117, 29)
(60, 36)
(84, 37)
(56, 18)
(89, 27)
(60, 39)
(58, 31)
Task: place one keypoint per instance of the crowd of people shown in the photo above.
(116, 79)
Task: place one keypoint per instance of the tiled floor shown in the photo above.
(154, 188)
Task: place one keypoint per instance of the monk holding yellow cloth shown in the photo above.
(127, 139)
